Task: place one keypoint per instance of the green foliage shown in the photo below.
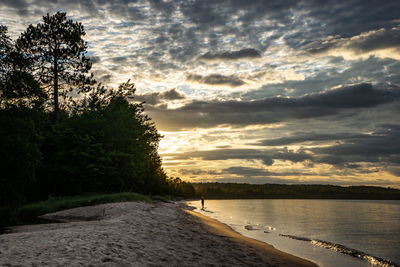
(107, 146)
(254, 191)
(61, 203)
(28, 213)
(21, 119)
(20, 153)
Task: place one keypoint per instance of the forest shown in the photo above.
(62, 132)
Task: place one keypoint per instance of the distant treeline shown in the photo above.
(269, 191)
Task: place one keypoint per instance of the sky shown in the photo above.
(252, 91)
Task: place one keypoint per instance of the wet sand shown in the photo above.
(136, 234)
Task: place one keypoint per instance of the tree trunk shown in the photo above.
(56, 110)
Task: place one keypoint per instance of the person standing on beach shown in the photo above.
(202, 203)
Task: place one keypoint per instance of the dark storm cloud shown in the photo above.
(244, 53)
(266, 156)
(157, 97)
(271, 110)
(216, 79)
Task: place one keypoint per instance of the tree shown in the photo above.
(57, 47)
(18, 87)
(107, 144)
(21, 102)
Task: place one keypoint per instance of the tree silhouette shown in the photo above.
(57, 47)
(17, 85)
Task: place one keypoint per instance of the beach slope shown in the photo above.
(136, 234)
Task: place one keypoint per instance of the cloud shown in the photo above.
(249, 172)
(18, 4)
(297, 138)
(351, 17)
(205, 114)
(266, 156)
(366, 43)
(380, 147)
(106, 78)
(94, 59)
(337, 72)
(233, 55)
(394, 171)
(216, 79)
(361, 154)
(119, 59)
(348, 149)
(199, 172)
(157, 97)
(361, 95)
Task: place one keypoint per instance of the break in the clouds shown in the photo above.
(263, 91)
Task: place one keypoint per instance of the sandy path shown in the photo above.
(132, 234)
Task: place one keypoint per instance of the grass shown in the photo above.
(62, 203)
(28, 214)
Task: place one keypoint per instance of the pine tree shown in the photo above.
(57, 47)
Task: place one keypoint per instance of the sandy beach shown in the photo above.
(136, 234)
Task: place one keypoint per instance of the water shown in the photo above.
(327, 232)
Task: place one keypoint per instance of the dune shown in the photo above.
(136, 234)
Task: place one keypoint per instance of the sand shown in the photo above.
(136, 234)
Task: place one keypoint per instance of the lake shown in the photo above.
(327, 232)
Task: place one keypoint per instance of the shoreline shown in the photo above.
(266, 251)
(136, 234)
